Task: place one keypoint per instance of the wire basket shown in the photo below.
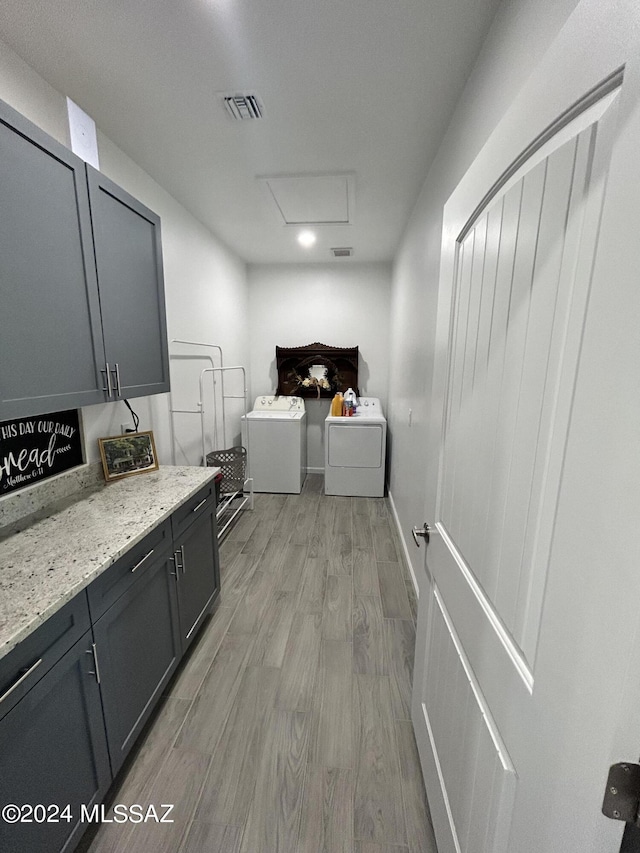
(232, 463)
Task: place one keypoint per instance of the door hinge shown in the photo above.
(622, 796)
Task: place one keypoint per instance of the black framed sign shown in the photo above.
(32, 449)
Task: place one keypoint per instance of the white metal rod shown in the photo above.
(222, 370)
(173, 411)
(249, 483)
(197, 344)
(222, 529)
(203, 429)
(210, 359)
(247, 498)
(172, 430)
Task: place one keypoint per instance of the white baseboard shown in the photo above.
(315, 470)
(404, 544)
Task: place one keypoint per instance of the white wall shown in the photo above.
(206, 287)
(340, 304)
(521, 32)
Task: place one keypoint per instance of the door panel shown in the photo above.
(515, 639)
(355, 446)
(128, 253)
(464, 738)
(199, 581)
(138, 647)
(510, 318)
(495, 460)
(53, 752)
(48, 282)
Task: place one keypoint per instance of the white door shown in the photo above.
(527, 683)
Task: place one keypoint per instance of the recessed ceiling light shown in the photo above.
(306, 238)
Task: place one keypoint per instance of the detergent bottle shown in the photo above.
(350, 402)
(336, 405)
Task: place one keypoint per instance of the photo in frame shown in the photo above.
(125, 455)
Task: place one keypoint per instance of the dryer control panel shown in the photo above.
(370, 406)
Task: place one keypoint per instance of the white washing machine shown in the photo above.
(275, 435)
(354, 451)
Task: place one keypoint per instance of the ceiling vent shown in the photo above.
(242, 107)
(342, 252)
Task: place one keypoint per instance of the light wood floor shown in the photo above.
(287, 730)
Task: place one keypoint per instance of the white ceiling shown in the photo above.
(358, 87)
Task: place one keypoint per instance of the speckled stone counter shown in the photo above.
(51, 561)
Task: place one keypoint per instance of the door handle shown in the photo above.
(109, 389)
(19, 681)
(140, 562)
(116, 377)
(96, 671)
(424, 532)
(178, 565)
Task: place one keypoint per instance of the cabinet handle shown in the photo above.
(176, 562)
(116, 373)
(140, 562)
(109, 389)
(93, 651)
(22, 678)
(183, 560)
(202, 503)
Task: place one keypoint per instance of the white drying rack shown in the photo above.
(231, 503)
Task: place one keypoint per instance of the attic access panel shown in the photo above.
(311, 199)
(296, 371)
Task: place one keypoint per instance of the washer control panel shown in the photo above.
(272, 403)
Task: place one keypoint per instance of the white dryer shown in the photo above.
(275, 435)
(354, 451)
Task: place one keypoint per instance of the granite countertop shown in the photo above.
(52, 560)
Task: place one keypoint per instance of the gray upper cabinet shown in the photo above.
(50, 332)
(81, 283)
(128, 253)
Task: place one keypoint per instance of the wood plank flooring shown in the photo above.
(287, 729)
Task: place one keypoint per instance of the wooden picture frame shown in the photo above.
(295, 366)
(128, 454)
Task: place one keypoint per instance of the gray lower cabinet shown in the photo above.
(138, 648)
(51, 348)
(53, 756)
(76, 693)
(195, 540)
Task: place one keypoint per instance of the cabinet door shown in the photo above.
(138, 648)
(107, 588)
(51, 349)
(128, 255)
(198, 573)
(30, 660)
(53, 753)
